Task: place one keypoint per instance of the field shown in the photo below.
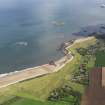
(100, 59)
(26, 101)
(36, 91)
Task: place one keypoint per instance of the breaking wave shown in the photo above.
(21, 43)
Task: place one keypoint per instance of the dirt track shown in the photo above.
(95, 93)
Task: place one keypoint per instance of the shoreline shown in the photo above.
(33, 67)
(7, 79)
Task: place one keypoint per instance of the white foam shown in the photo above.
(22, 43)
(102, 6)
(3, 75)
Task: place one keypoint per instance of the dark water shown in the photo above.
(98, 29)
(31, 30)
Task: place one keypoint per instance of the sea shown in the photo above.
(31, 31)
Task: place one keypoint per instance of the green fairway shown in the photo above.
(100, 59)
(40, 88)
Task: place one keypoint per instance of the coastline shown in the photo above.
(17, 76)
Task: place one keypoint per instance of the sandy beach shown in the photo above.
(17, 76)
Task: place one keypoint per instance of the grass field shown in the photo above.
(26, 101)
(100, 59)
(40, 88)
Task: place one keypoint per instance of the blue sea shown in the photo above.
(32, 30)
